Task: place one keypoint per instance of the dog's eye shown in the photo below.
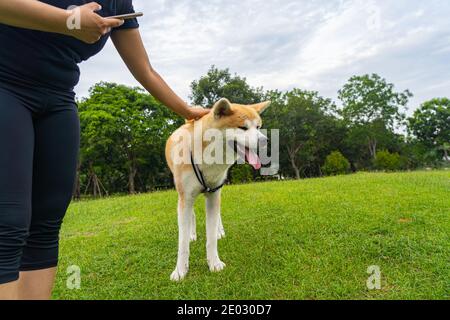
(243, 128)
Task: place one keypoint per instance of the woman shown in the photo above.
(39, 126)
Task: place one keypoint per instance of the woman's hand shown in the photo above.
(82, 23)
(91, 26)
(197, 113)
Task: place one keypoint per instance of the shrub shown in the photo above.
(336, 164)
(241, 174)
(387, 161)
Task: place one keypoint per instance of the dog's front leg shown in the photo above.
(220, 229)
(212, 224)
(185, 213)
(193, 233)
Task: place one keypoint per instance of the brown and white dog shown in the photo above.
(193, 174)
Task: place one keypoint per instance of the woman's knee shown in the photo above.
(14, 230)
(42, 247)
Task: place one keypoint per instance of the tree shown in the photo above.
(336, 164)
(308, 130)
(371, 105)
(360, 153)
(121, 126)
(431, 125)
(217, 84)
(241, 174)
(387, 161)
(96, 145)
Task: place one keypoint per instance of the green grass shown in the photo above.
(311, 239)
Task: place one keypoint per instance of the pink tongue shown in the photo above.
(253, 159)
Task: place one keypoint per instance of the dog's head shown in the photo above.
(246, 122)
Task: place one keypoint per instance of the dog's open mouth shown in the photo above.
(251, 157)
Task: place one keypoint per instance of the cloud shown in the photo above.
(281, 44)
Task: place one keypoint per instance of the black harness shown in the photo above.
(201, 178)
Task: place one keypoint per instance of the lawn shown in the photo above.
(310, 239)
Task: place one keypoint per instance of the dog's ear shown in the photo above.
(222, 108)
(260, 107)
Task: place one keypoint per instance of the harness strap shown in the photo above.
(201, 178)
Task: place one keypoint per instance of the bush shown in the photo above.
(336, 164)
(241, 174)
(387, 161)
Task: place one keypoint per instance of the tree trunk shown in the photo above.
(96, 184)
(131, 177)
(292, 153)
(446, 154)
(373, 148)
(296, 170)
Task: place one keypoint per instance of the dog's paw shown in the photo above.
(178, 274)
(216, 266)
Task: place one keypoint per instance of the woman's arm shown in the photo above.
(36, 15)
(130, 47)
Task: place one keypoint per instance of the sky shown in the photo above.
(281, 44)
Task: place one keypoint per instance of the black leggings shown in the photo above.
(39, 142)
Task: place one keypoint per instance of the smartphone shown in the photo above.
(126, 16)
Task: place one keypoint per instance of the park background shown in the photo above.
(124, 131)
(359, 91)
(367, 81)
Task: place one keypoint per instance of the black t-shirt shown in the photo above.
(29, 57)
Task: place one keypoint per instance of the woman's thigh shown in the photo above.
(54, 171)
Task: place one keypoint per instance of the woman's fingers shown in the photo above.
(108, 24)
(94, 6)
(113, 23)
(197, 113)
(93, 26)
